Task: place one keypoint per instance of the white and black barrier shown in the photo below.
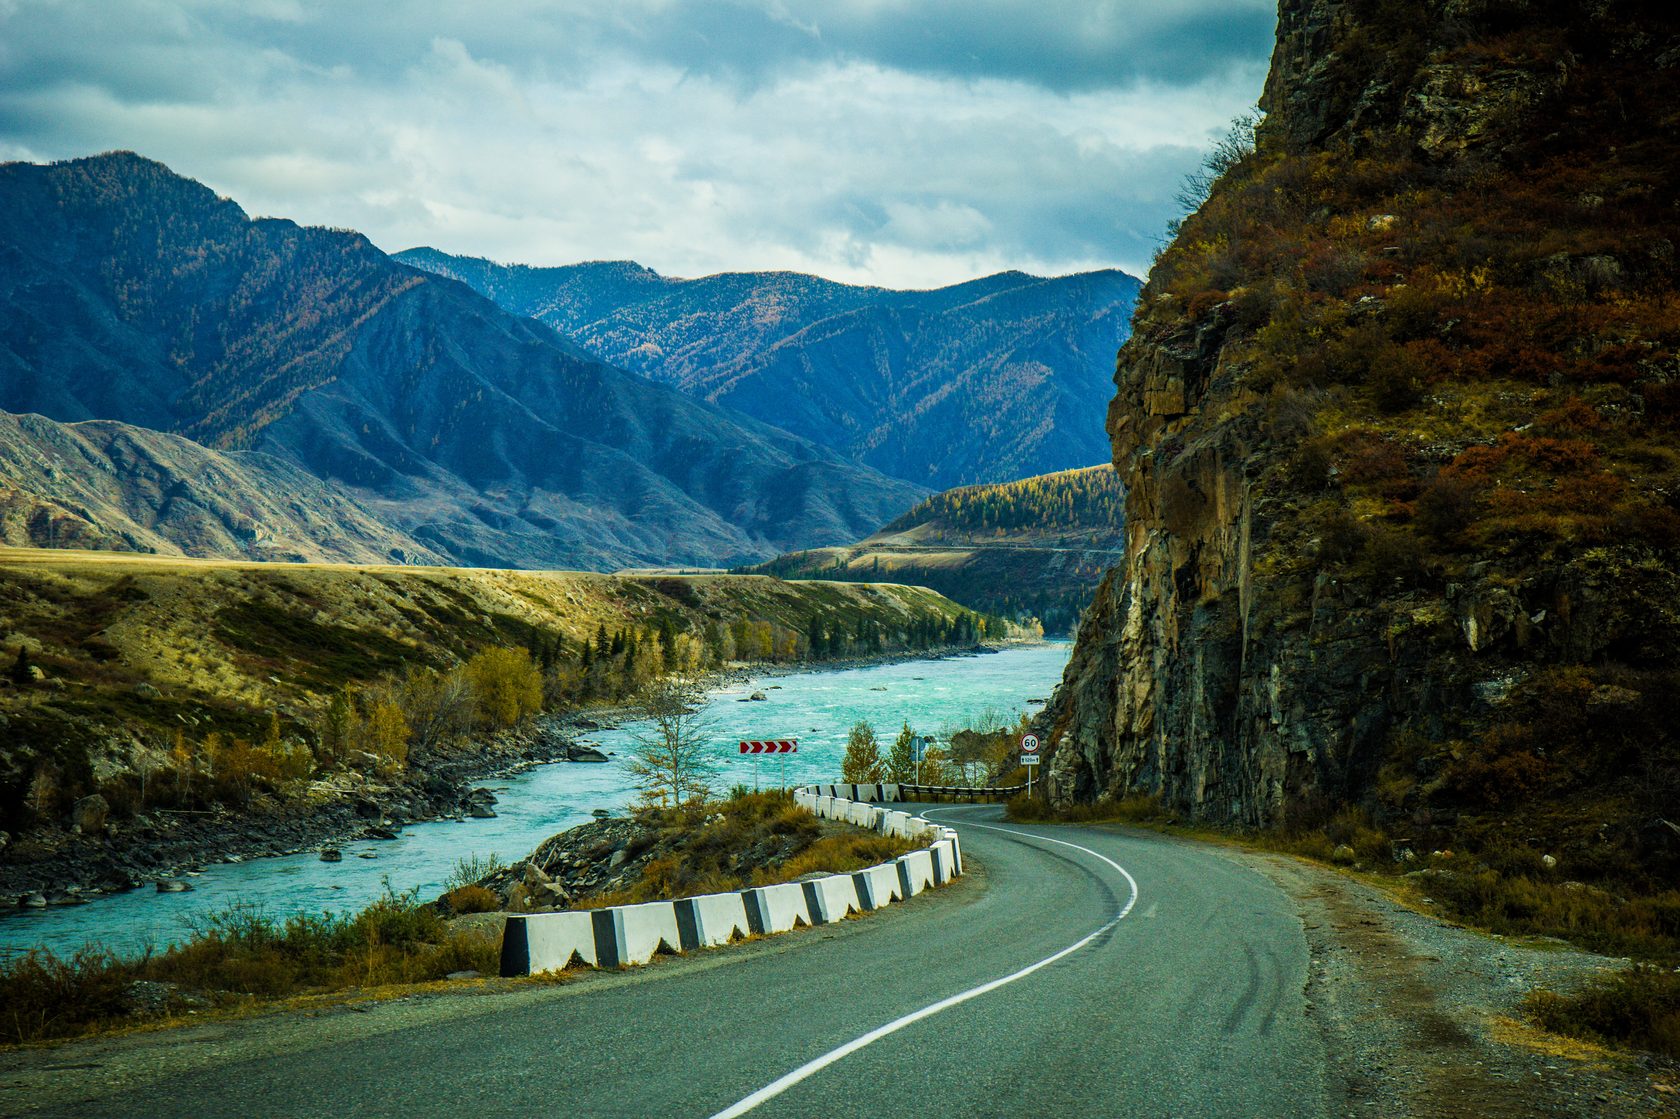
(623, 935)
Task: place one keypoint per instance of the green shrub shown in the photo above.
(471, 899)
(1639, 1008)
(42, 996)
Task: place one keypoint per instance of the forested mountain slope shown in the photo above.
(988, 380)
(132, 294)
(1032, 548)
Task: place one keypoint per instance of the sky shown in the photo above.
(906, 143)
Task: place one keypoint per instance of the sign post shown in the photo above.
(782, 746)
(918, 752)
(1029, 758)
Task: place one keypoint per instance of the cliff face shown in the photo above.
(1397, 422)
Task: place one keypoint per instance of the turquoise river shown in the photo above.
(816, 708)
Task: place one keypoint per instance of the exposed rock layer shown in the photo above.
(1358, 566)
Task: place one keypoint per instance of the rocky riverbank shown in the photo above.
(72, 863)
(757, 839)
(75, 864)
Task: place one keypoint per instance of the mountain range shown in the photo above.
(131, 294)
(985, 381)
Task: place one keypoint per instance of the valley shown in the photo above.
(330, 570)
(278, 698)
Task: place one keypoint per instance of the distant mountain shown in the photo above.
(1036, 547)
(990, 380)
(112, 486)
(129, 293)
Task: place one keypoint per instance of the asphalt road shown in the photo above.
(1188, 1006)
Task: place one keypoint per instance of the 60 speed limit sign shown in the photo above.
(1029, 744)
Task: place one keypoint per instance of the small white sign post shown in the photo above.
(1029, 758)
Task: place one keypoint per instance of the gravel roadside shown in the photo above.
(1423, 1019)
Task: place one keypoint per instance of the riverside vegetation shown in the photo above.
(239, 959)
(146, 688)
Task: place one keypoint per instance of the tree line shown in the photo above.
(1091, 500)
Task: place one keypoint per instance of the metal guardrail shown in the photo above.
(973, 794)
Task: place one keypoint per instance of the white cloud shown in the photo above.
(552, 134)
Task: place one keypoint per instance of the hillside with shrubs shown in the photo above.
(139, 686)
(1398, 429)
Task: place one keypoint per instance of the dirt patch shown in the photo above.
(1421, 1018)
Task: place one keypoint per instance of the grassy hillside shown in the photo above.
(1033, 548)
(138, 664)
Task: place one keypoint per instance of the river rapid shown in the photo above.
(817, 708)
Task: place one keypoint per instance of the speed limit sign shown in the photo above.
(1029, 744)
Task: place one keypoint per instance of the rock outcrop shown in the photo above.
(1395, 422)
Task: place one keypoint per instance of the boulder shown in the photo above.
(760, 697)
(1343, 854)
(147, 691)
(331, 855)
(89, 814)
(33, 901)
(480, 811)
(173, 886)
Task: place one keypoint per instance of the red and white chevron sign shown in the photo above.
(778, 746)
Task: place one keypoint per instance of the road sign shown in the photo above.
(1030, 759)
(918, 749)
(776, 746)
(1029, 744)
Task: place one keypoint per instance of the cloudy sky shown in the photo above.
(900, 142)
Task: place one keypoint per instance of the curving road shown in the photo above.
(1140, 976)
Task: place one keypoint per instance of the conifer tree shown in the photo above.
(862, 762)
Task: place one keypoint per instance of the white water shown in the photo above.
(817, 708)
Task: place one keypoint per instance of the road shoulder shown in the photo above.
(1423, 1018)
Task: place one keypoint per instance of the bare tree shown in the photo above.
(438, 707)
(673, 760)
(1236, 146)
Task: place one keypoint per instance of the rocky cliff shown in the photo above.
(1398, 426)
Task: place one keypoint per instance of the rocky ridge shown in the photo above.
(1395, 423)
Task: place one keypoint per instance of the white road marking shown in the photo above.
(810, 1068)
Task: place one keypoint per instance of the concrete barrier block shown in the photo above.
(915, 872)
(824, 807)
(643, 929)
(710, 920)
(541, 942)
(882, 885)
(889, 793)
(776, 909)
(898, 823)
(830, 899)
(944, 864)
(956, 848)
